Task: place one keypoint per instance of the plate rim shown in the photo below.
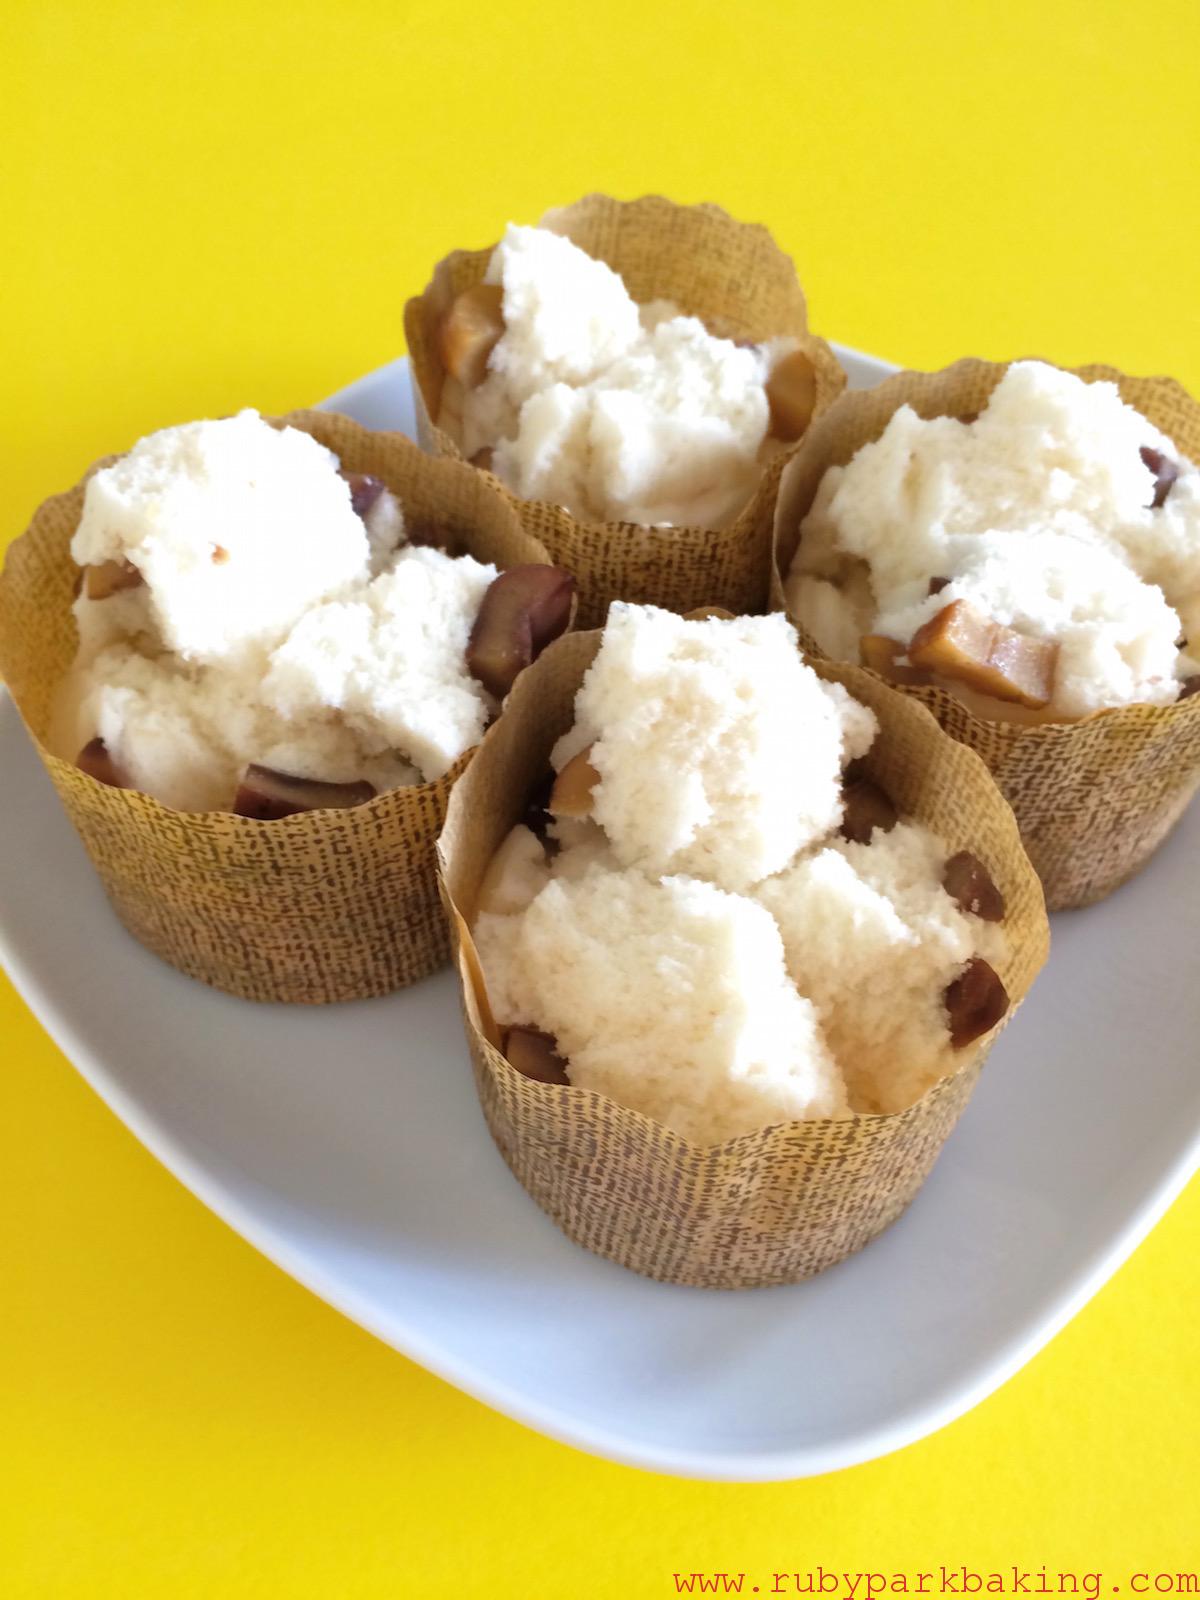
(740, 1466)
(731, 1467)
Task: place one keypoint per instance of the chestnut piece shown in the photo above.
(1190, 686)
(962, 644)
(535, 1055)
(970, 885)
(880, 653)
(470, 331)
(365, 490)
(936, 585)
(975, 1002)
(867, 807)
(571, 795)
(110, 577)
(268, 795)
(96, 761)
(522, 611)
(1165, 472)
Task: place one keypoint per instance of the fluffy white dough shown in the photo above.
(185, 734)
(614, 411)
(321, 644)
(516, 873)
(671, 997)
(828, 614)
(566, 315)
(704, 947)
(122, 618)
(873, 939)
(374, 686)
(1046, 486)
(719, 751)
(390, 659)
(580, 845)
(236, 527)
(384, 523)
(1117, 635)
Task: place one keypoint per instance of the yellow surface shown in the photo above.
(212, 205)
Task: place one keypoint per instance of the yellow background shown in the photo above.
(213, 205)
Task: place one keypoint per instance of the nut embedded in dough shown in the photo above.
(971, 886)
(867, 807)
(535, 1055)
(882, 655)
(571, 795)
(975, 1002)
(1165, 472)
(96, 760)
(268, 795)
(961, 644)
(365, 490)
(110, 577)
(470, 331)
(523, 610)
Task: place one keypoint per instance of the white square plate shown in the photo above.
(347, 1145)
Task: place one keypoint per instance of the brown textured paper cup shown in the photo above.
(768, 1207)
(733, 276)
(320, 906)
(1094, 798)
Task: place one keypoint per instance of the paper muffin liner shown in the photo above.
(1096, 797)
(768, 1207)
(315, 907)
(734, 277)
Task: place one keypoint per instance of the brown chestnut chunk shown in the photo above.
(571, 795)
(867, 807)
(522, 611)
(470, 331)
(110, 577)
(535, 1055)
(970, 885)
(1190, 686)
(975, 1002)
(365, 490)
(936, 585)
(880, 653)
(962, 644)
(268, 795)
(791, 395)
(1165, 472)
(96, 760)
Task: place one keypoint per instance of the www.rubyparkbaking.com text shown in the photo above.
(958, 1580)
